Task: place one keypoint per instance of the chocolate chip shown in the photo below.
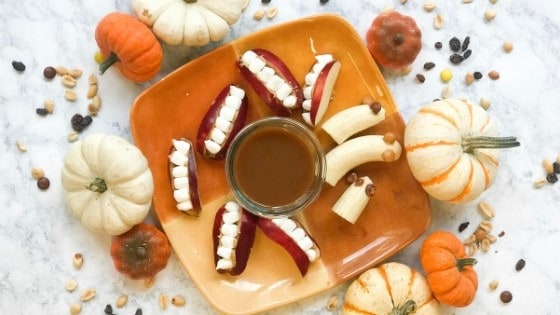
(429, 65)
(49, 72)
(506, 296)
(43, 183)
(375, 107)
(477, 75)
(438, 45)
(18, 66)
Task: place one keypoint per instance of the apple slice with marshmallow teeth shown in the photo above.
(289, 234)
(272, 80)
(318, 88)
(233, 235)
(183, 173)
(223, 120)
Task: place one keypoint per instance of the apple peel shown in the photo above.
(184, 179)
(319, 85)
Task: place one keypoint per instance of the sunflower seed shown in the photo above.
(258, 15)
(71, 285)
(121, 301)
(429, 6)
(20, 145)
(75, 309)
(37, 172)
(486, 210)
(438, 21)
(87, 295)
(92, 91)
(178, 300)
(270, 13)
(163, 301)
(78, 260)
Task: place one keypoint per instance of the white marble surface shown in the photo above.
(38, 237)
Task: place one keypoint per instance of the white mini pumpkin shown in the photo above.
(452, 149)
(108, 184)
(188, 22)
(392, 288)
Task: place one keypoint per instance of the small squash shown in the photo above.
(108, 183)
(448, 269)
(392, 288)
(451, 148)
(188, 22)
(394, 40)
(129, 45)
(141, 252)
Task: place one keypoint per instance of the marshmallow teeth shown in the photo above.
(318, 88)
(272, 80)
(223, 120)
(182, 169)
(233, 236)
(289, 234)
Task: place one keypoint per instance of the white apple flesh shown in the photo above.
(322, 91)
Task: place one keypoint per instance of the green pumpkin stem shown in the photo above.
(407, 308)
(464, 262)
(190, 1)
(108, 62)
(484, 142)
(98, 185)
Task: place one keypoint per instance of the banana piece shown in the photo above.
(352, 120)
(353, 201)
(360, 150)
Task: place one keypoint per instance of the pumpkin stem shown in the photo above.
(407, 308)
(464, 262)
(108, 62)
(98, 185)
(484, 142)
(190, 1)
(398, 39)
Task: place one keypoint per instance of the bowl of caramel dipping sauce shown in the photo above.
(275, 167)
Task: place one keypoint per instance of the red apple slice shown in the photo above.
(259, 82)
(183, 175)
(225, 117)
(289, 234)
(321, 84)
(233, 235)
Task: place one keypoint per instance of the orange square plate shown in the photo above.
(396, 215)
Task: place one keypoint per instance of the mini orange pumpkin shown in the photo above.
(394, 40)
(141, 252)
(129, 45)
(448, 269)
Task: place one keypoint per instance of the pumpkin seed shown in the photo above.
(486, 210)
(71, 285)
(258, 15)
(75, 309)
(332, 303)
(92, 91)
(163, 301)
(70, 95)
(485, 245)
(485, 103)
(178, 300)
(68, 81)
(20, 145)
(446, 92)
(493, 285)
(507, 47)
(60, 70)
(429, 6)
(49, 106)
(72, 136)
(548, 168)
(78, 260)
(438, 21)
(472, 249)
(75, 73)
(490, 14)
(37, 172)
(271, 13)
(486, 226)
(121, 301)
(148, 283)
(92, 79)
(87, 295)
(491, 238)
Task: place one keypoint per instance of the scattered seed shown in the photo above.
(469, 78)
(466, 43)
(68, 81)
(467, 54)
(446, 92)
(87, 295)
(446, 75)
(429, 6)
(75, 73)
(463, 226)
(456, 59)
(178, 300)
(92, 79)
(551, 178)
(388, 156)
(485, 245)
(43, 183)
(332, 303)
(138, 311)
(429, 65)
(455, 44)
(493, 1)
(556, 167)
(477, 75)
(438, 45)
(323, 1)
(490, 14)
(108, 309)
(49, 72)
(547, 165)
(60, 70)
(72, 136)
(494, 75)
(506, 296)
(121, 301)
(258, 15)
(271, 13)
(520, 264)
(148, 283)
(485, 103)
(470, 240)
(493, 285)
(75, 309)
(21, 146)
(41, 111)
(78, 260)
(420, 77)
(540, 182)
(71, 285)
(507, 47)
(92, 91)
(37, 172)
(163, 301)
(501, 234)
(438, 21)
(265, 1)
(491, 238)
(486, 226)
(472, 249)
(467, 1)
(49, 106)
(70, 95)
(18, 66)
(486, 210)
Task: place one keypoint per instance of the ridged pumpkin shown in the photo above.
(392, 288)
(129, 45)
(449, 270)
(452, 149)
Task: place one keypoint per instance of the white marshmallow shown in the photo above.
(230, 217)
(237, 92)
(283, 91)
(305, 243)
(233, 102)
(265, 74)
(248, 57)
(178, 158)
(229, 230)
(181, 146)
(290, 101)
(180, 171)
(308, 92)
(223, 124)
(181, 195)
(185, 206)
(223, 251)
(274, 83)
(217, 136)
(306, 105)
(232, 206)
(212, 146)
(224, 264)
(181, 182)
(325, 58)
(297, 234)
(256, 65)
(228, 241)
(227, 113)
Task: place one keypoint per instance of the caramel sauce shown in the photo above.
(273, 166)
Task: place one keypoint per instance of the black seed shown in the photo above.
(18, 66)
(506, 296)
(421, 78)
(520, 264)
(323, 1)
(456, 59)
(76, 119)
(138, 312)
(265, 1)
(556, 167)
(86, 121)
(43, 183)
(463, 226)
(41, 111)
(429, 65)
(551, 178)
(108, 309)
(455, 44)
(501, 234)
(49, 72)
(467, 54)
(436, 100)
(438, 45)
(477, 75)
(466, 43)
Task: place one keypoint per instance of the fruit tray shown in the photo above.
(396, 215)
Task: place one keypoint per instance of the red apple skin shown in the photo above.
(193, 179)
(245, 240)
(275, 233)
(209, 119)
(319, 89)
(283, 71)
